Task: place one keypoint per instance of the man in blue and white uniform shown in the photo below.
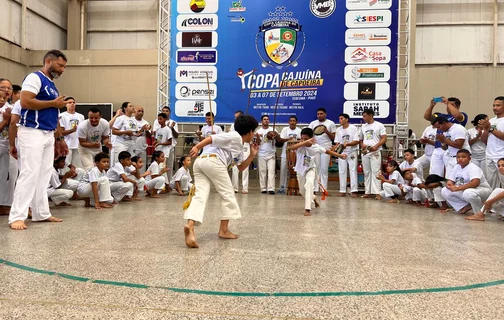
(37, 132)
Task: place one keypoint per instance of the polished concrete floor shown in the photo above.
(353, 259)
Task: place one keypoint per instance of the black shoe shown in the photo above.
(271, 192)
(264, 191)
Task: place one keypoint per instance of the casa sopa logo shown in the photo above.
(322, 8)
(280, 40)
(357, 55)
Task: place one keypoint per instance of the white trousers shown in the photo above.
(120, 189)
(348, 165)
(390, 190)
(479, 162)
(245, 179)
(37, 157)
(473, 196)
(85, 190)
(170, 160)
(208, 171)
(140, 182)
(416, 194)
(371, 164)
(73, 158)
(142, 154)
(435, 194)
(423, 163)
(266, 168)
(497, 206)
(118, 148)
(59, 196)
(185, 185)
(492, 174)
(284, 172)
(71, 184)
(322, 162)
(87, 157)
(306, 186)
(437, 165)
(450, 163)
(5, 193)
(156, 183)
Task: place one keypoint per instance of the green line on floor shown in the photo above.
(255, 294)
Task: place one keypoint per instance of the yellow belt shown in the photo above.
(208, 156)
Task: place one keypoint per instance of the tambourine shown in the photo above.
(340, 148)
(319, 130)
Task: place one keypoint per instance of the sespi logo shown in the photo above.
(368, 19)
(322, 8)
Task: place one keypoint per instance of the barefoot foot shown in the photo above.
(465, 209)
(317, 203)
(18, 225)
(227, 235)
(307, 213)
(480, 216)
(190, 238)
(51, 219)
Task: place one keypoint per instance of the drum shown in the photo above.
(319, 130)
(292, 184)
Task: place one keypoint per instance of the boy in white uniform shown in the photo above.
(410, 164)
(266, 156)
(374, 136)
(493, 136)
(209, 129)
(211, 167)
(170, 159)
(325, 140)
(235, 171)
(62, 188)
(121, 186)
(306, 168)
(429, 139)
(126, 130)
(163, 143)
(91, 133)
(290, 133)
(455, 137)
(478, 147)
(494, 202)
(466, 187)
(94, 186)
(69, 121)
(347, 136)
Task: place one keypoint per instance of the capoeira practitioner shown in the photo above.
(292, 132)
(493, 135)
(69, 121)
(91, 133)
(347, 136)
(235, 172)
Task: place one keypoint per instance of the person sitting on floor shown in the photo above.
(392, 185)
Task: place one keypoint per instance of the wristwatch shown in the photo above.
(491, 129)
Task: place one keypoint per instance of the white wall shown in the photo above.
(442, 37)
(122, 24)
(46, 22)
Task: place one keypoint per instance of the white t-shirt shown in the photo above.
(114, 173)
(429, 133)
(207, 130)
(169, 122)
(396, 176)
(372, 132)
(347, 135)
(415, 164)
(154, 169)
(163, 135)
(125, 123)
(478, 149)
(141, 142)
(93, 175)
(54, 182)
(181, 172)
(4, 134)
(287, 132)
(93, 134)
(267, 148)
(415, 182)
(69, 121)
(228, 147)
(305, 158)
(456, 132)
(17, 108)
(495, 146)
(323, 140)
(461, 176)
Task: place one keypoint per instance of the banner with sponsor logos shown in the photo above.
(306, 54)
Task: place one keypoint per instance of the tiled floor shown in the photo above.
(349, 245)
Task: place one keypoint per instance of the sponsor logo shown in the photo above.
(367, 91)
(355, 108)
(368, 73)
(199, 21)
(282, 39)
(322, 8)
(202, 56)
(197, 6)
(368, 19)
(238, 19)
(195, 91)
(356, 55)
(363, 37)
(236, 6)
(368, 4)
(196, 74)
(194, 108)
(196, 39)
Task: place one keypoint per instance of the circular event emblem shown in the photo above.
(322, 8)
(184, 92)
(287, 36)
(197, 5)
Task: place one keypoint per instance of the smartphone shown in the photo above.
(437, 99)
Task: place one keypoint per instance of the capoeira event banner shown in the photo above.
(306, 54)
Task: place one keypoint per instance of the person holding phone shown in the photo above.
(453, 113)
